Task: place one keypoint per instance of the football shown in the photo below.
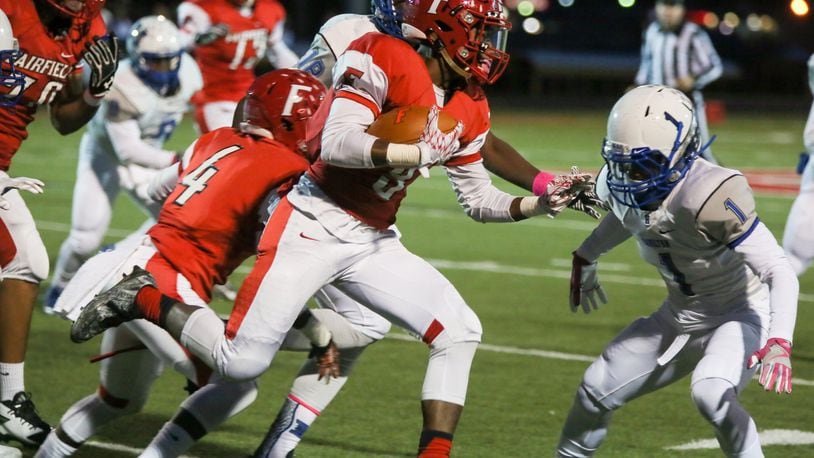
(405, 124)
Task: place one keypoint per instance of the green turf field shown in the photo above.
(513, 275)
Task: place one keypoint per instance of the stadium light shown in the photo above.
(799, 7)
(627, 3)
(710, 20)
(566, 3)
(532, 26)
(525, 8)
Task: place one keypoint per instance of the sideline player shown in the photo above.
(206, 228)
(696, 223)
(309, 397)
(798, 238)
(123, 146)
(53, 36)
(679, 54)
(228, 38)
(340, 214)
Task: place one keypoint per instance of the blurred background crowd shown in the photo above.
(583, 52)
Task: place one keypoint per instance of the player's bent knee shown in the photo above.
(713, 397)
(588, 402)
(31, 262)
(85, 242)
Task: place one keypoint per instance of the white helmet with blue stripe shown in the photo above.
(12, 81)
(154, 48)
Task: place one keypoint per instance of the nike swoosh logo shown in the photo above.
(302, 234)
(66, 56)
(663, 231)
(4, 373)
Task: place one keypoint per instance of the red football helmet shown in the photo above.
(89, 8)
(280, 103)
(470, 35)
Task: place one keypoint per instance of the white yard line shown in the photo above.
(767, 437)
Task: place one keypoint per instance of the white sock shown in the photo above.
(53, 447)
(10, 452)
(292, 421)
(172, 440)
(11, 380)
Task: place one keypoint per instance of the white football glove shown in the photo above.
(31, 185)
(435, 145)
(565, 189)
(585, 288)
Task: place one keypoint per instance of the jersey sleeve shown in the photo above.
(319, 60)
(379, 71)
(729, 215)
(192, 20)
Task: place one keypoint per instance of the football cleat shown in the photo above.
(20, 421)
(51, 297)
(112, 307)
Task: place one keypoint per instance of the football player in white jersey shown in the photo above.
(798, 239)
(731, 293)
(123, 145)
(308, 397)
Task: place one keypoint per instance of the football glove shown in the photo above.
(585, 288)
(327, 359)
(102, 57)
(564, 189)
(210, 36)
(588, 202)
(435, 145)
(31, 185)
(775, 365)
(803, 162)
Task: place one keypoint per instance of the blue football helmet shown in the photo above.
(154, 48)
(652, 142)
(12, 81)
(387, 16)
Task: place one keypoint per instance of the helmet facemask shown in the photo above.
(642, 177)
(155, 51)
(12, 81)
(387, 16)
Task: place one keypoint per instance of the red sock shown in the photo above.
(148, 300)
(434, 444)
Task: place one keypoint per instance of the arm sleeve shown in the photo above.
(480, 199)
(192, 20)
(279, 54)
(125, 136)
(609, 234)
(344, 141)
(644, 65)
(766, 258)
(711, 67)
(163, 183)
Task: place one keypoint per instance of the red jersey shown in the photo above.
(227, 64)
(209, 223)
(46, 62)
(385, 74)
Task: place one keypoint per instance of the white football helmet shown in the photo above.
(154, 48)
(651, 143)
(12, 81)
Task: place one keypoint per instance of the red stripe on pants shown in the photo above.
(8, 250)
(266, 251)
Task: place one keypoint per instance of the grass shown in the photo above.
(517, 403)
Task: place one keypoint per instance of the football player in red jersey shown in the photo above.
(207, 227)
(53, 36)
(228, 38)
(334, 226)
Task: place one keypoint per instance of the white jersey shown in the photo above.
(131, 105)
(807, 183)
(331, 41)
(691, 238)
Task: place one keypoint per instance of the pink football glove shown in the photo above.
(775, 365)
(564, 189)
